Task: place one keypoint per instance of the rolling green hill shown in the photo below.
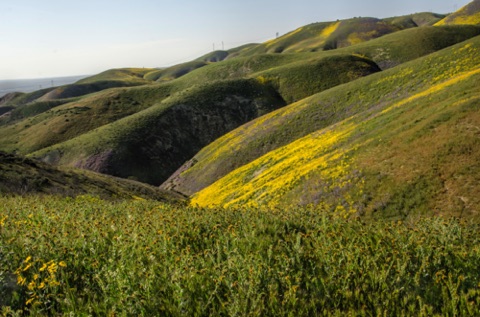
(290, 123)
(469, 14)
(326, 36)
(152, 143)
(338, 34)
(125, 77)
(129, 75)
(381, 145)
(36, 125)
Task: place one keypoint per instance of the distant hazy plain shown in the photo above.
(29, 85)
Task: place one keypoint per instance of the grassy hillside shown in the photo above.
(24, 176)
(402, 130)
(286, 125)
(326, 36)
(301, 79)
(33, 127)
(37, 125)
(469, 14)
(414, 20)
(403, 46)
(153, 143)
(129, 75)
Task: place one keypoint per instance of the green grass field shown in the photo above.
(86, 256)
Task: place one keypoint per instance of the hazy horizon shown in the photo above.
(32, 84)
(62, 38)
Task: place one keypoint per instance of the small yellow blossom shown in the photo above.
(30, 300)
(21, 280)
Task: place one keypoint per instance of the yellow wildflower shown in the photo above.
(31, 286)
(29, 301)
(27, 267)
(21, 280)
(52, 268)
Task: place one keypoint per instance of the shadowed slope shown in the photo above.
(19, 175)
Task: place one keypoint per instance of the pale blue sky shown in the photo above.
(64, 37)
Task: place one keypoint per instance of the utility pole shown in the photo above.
(223, 47)
(214, 47)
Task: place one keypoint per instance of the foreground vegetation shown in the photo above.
(87, 256)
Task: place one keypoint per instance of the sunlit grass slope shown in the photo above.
(286, 125)
(24, 176)
(153, 143)
(337, 34)
(469, 14)
(86, 256)
(326, 36)
(408, 143)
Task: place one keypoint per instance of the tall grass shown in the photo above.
(86, 256)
